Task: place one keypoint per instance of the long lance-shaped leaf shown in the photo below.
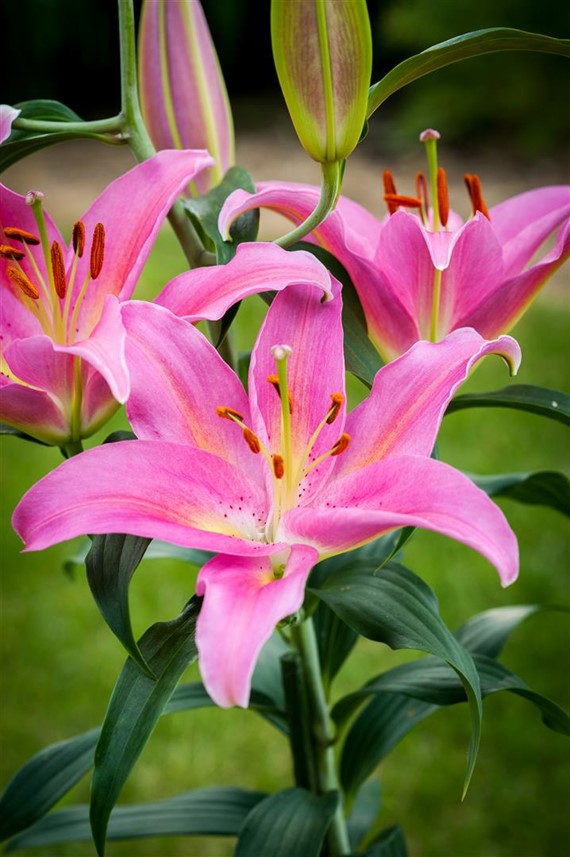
(49, 775)
(542, 488)
(292, 821)
(135, 707)
(390, 843)
(204, 812)
(523, 397)
(486, 633)
(394, 606)
(111, 563)
(463, 47)
(428, 684)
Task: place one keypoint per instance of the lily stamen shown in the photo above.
(22, 235)
(422, 193)
(337, 448)
(473, 184)
(395, 200)
(58, 267)
(230, 414)
(278, 466)
(442, 196)
(78, 238)
(22, 282)
(389, 189)
(274, 381)
(7, 252)
(252, 440)
(337, 403)
(97, 251)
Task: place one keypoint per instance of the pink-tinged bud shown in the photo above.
(183, 96)
(323, 56)
(7, 116)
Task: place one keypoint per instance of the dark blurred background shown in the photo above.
(521, 98)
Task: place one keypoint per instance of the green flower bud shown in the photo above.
(323, 55)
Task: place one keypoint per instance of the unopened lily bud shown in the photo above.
(323, 55)
(183, 95)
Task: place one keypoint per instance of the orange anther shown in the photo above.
(422, 190)
(337, 400)
(341, 444)
(78, 237)
(22, 282)
(394, 200)
(278, 466)
(252, 440)
(229, 413)
(21, 235)
(442, 196)
(7, 252)
(389, 188)
(274, 381)
(475, 192)
(58, 268)
(97, 251)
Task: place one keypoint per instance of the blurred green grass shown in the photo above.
(60, 661)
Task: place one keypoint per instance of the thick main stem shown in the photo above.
(323, 732)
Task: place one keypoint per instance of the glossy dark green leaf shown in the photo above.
(360, 356)
(14, 432)
(21, 143)
(111, 563)
(135, 707)
(486, 633)
(523, 397)
(204, 812)
(336, 640)
(206, 209)
(292, 821)
(390, 843)
(394, 606)
(43, 780)
(543, 488)
(365, 809)
(462, 47)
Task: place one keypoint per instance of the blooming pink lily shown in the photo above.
(415, 283)
(275, 480)
(62, 340)
(7, 116)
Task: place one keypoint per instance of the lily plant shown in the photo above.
(62, 343)
(272, 481)
(421, 272)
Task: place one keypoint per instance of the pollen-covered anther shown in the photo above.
(475, 192)
(422, 189)
(389, 188)
(97, 251)
(252, 440)
(337, 400)
(442, 196)
(229, 414)
(58, 268)
(341, 444)
(78, 238)
(7, 252)
(278, 466)
(23, 283)
(395, 200)
(22, 235)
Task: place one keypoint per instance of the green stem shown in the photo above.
(113, 125)
(330, 189)
(323, 732)
(138, 137)
(436, 297)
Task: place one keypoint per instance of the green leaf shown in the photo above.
(365, 809)
(461, 48)
(390, 843)
(10, 430)
(522, 397)
(336, 640)
(135, 707)
(394, 606)
(111, 563)
(486, 633)
(204, 812)
(360, 356)
(43, 780)
(206, 209)
(292, 821)
(21, 143)
(543, 488)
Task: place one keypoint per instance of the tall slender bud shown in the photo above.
(323, 55)
(183, 95)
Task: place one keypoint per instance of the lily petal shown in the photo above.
(409, 396)
(7, 116)
(523, 222)
(209, 292)
(406, 491)
(132, 209)
(146, 488)
(33, 412)
(243, 602)
(174, 372)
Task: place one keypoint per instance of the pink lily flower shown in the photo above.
(416, 283)
(7, 116)
(62, 341)
(275, 480)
